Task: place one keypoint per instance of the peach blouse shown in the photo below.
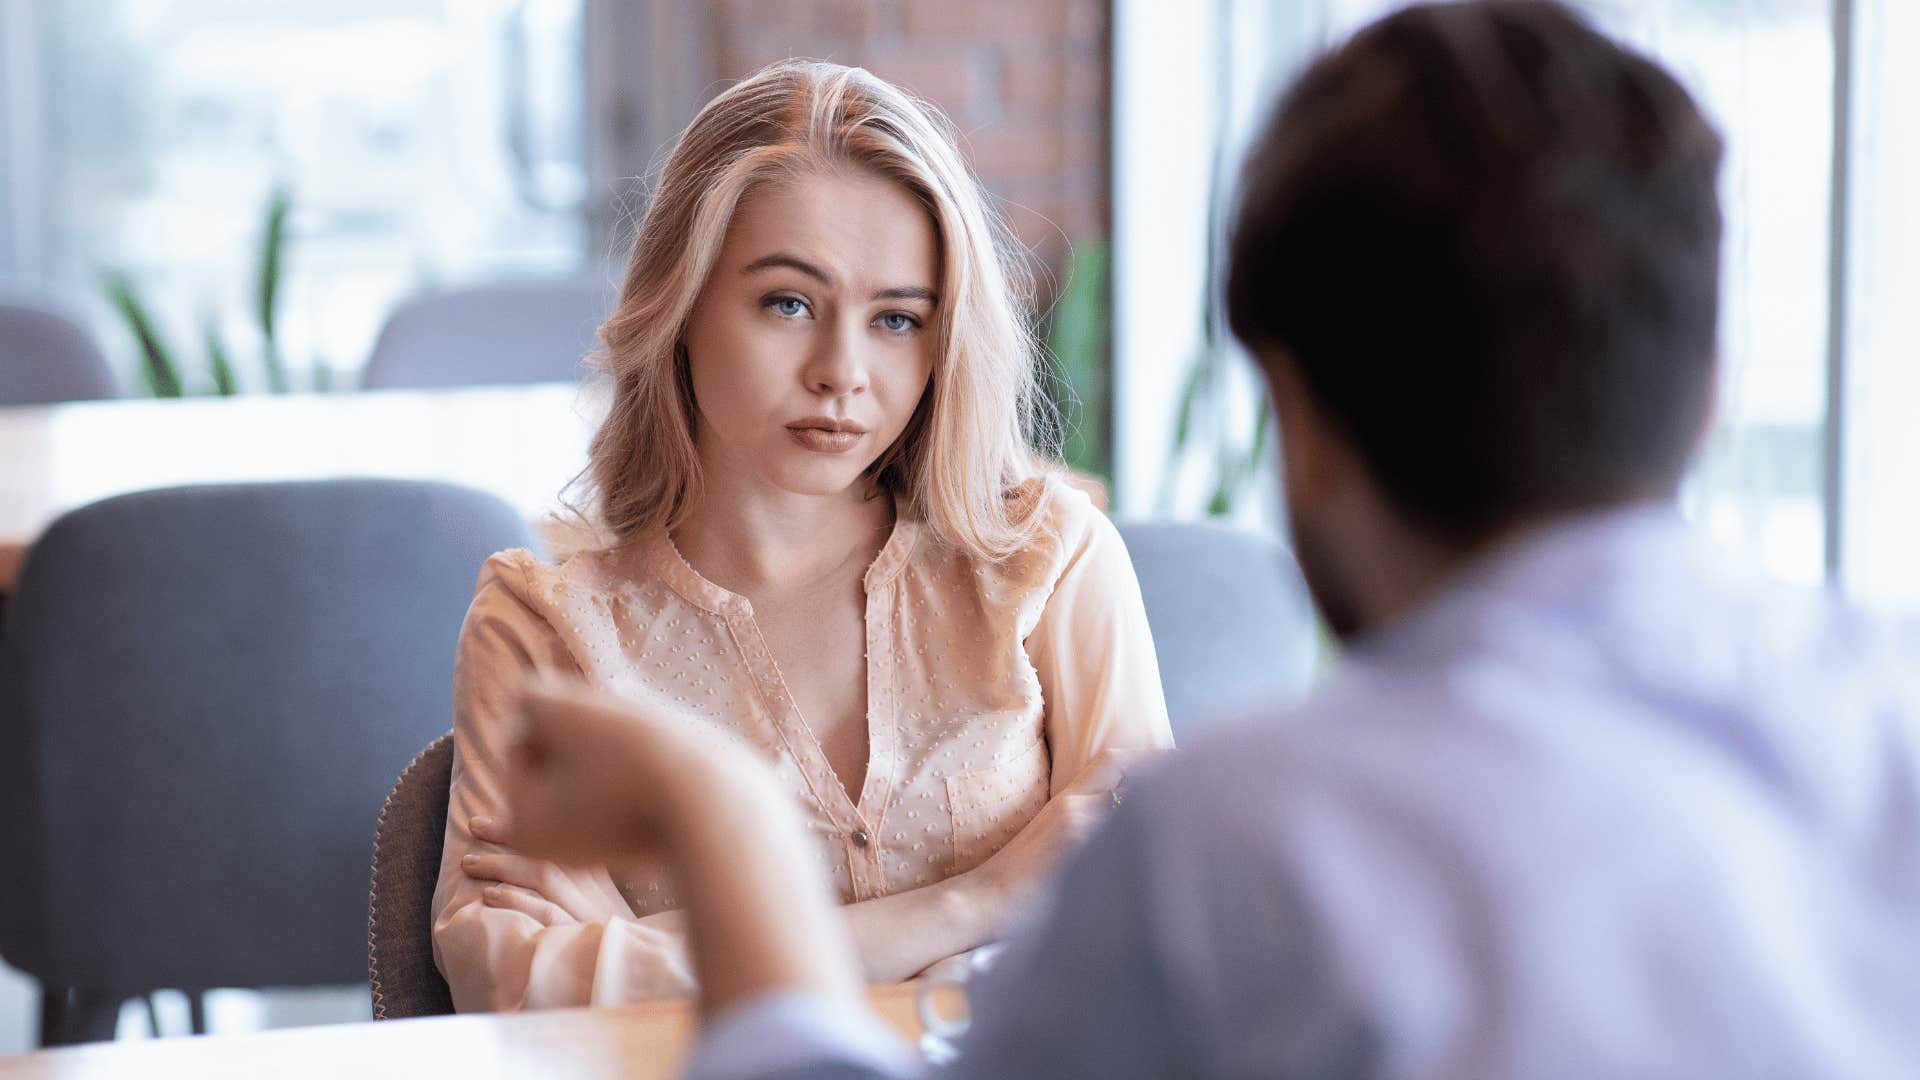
(989, 687)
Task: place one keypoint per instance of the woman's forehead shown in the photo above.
(863, 233)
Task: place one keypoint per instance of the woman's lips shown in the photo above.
(824, 440)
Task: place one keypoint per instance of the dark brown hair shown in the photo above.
(1488, 239)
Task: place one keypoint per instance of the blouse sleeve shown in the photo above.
(1094, 653)
(500, 960)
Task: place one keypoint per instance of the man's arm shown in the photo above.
(1082, 993)
(1180, 940)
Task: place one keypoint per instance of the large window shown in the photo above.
(418, 143)
(1879, 498)
(1764, 72)
(1810, 488)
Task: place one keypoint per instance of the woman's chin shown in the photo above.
(820, 479)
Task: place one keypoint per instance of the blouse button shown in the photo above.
(860, 838)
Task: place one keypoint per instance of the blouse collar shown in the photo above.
(663, 558)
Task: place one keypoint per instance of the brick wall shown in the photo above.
(1025, 81)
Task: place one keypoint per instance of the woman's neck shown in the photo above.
(751, 539)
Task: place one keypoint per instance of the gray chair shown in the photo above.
(1232, 622)
(508, 332)
(207, 692)
(47, 358)
(406, 866)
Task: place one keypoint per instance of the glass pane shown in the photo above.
(1881, 516)
(1764, 72)
(418, 141)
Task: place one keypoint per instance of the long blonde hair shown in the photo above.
(966, 449)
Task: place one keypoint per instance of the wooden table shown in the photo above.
(521, 443)
(631, 1041)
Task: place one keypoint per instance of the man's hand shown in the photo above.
(596, 779)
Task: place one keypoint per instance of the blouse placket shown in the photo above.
(855, 826)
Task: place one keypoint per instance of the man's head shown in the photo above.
(1477, 253)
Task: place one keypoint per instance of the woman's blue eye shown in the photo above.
(899, 321)
(791, 307)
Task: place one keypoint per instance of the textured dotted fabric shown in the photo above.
(989, 687)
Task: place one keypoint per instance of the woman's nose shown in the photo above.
(838, 366)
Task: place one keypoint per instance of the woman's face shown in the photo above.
(812, 341)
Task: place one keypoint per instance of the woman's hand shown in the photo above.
(535, 887)
(1011, 876)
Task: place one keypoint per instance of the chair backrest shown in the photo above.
(406, 867)
(509, 332)
(47, 358)
(1231, 619)
(208, 691)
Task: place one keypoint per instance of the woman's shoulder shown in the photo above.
(1071, 510)
(547, 586)
(1063, 524)
(1059, 509)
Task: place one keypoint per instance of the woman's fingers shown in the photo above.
(538, 908)
(582, 900)
(486, 828)
(528, 873)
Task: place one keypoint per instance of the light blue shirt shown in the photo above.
(1603, 809)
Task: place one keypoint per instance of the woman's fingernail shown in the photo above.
(468, 860)
(482, 824)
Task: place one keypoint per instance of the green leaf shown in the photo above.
(267, 284)
(1199, 379)
(1078, 339)
(1249, 466)
(157, 369)
(1226, 480)
(1262, 425)
(276, 371)
(220, 360)
(1222, 502)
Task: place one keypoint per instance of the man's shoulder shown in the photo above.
(1494, 780)
(1353, 723)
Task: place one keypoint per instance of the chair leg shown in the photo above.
(72, 1015)
(197, 1011)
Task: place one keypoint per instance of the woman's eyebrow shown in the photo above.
(795, 262)
(791, 262)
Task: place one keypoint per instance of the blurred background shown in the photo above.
(236, 197)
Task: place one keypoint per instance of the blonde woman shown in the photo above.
(824, 531)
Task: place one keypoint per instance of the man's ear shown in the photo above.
(1304, 464)
(1710, 410)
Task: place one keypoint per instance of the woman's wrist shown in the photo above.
(978, 900)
